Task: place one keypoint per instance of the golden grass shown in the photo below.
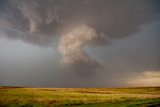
(75, 96)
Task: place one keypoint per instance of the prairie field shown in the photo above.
(79, 97)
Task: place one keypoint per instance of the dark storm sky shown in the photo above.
(79, 43)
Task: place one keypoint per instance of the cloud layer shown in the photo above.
(71, 25)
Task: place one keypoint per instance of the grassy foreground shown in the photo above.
(80, 97)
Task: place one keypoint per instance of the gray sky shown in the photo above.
(82, 43)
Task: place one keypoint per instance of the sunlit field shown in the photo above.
(79, 97)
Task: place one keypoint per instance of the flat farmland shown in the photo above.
(79, 97)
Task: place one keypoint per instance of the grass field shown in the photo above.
(79, 97)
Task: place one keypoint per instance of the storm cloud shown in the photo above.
(74, 27)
